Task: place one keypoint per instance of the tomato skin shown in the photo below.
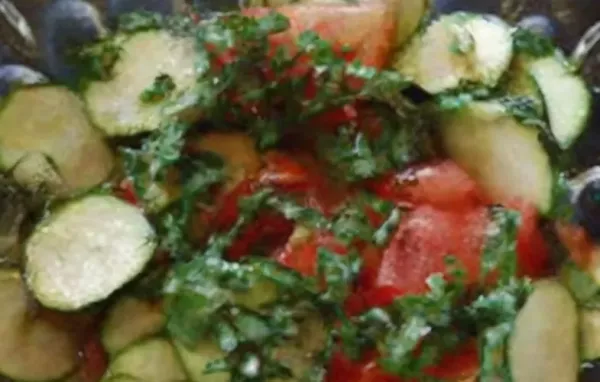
(302, 177)
(423, 240)
(577, 242)
(342, 369)
(371, 258)
(268, 229)
(228, 209)
(126, 191)
(533, 254)
(283, 172)
(303, 257)
(95, 361)
(366, 29)
(457, 365)
(441, 184)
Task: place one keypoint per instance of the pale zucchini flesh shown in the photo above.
(411, 14)
(47, 140)
(296, 354)
(31, 349)
(589, 330)
(196, 359)
(567, 99)
(115, 105)
(505, 157)
(154, 360)
(457, 49)
(124, 378)
(520, 82)
(544, 343)
(129, 321)
(86, 250)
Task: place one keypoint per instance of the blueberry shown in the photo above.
(15, 75)
(542, 25)
(209, 6)
(417, 94)
(588, 207)
(479, 6)
(66, 26)
(117, 8)
(6, 55)
(590, 371)
(587, 146)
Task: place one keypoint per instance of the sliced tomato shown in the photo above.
(300, 175)
(95, 361)
(303, 256)
(576, 240)
(367, 30)
(455, 366)
(342, 369)
(442, 184)
(125, 190)
(228, 210)
(331, 120)
(425, 238)
(284, 172)
(458, 364)
(268, 231)
(533, 253)
(371, 262)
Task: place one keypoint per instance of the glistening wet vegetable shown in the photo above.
(283, 207)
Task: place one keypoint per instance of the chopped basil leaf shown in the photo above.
(462, 96)
(532, 44)
(383, 233)
(562, 208)
(525, 110)
(140, 21)
(500, 252)
(161, 88)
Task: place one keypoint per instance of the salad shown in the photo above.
(317, 191)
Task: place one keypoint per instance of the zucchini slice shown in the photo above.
(296, 354)
(568, 101)
(129, 321)
(115, 105)
(410, 16)
(505, 157)
(124, 378)
(154, 360)
(85, 251)
(31, 349)
(520, 82)
(458, 48)
(544, 343)
(47, 140)
(195, 361)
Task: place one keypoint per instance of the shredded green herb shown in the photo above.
(254, 309)
(525, 110)
(500, 252)
(140, 21)
(161, 88)
(532, 44)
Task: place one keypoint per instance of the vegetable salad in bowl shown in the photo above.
(317, 191)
